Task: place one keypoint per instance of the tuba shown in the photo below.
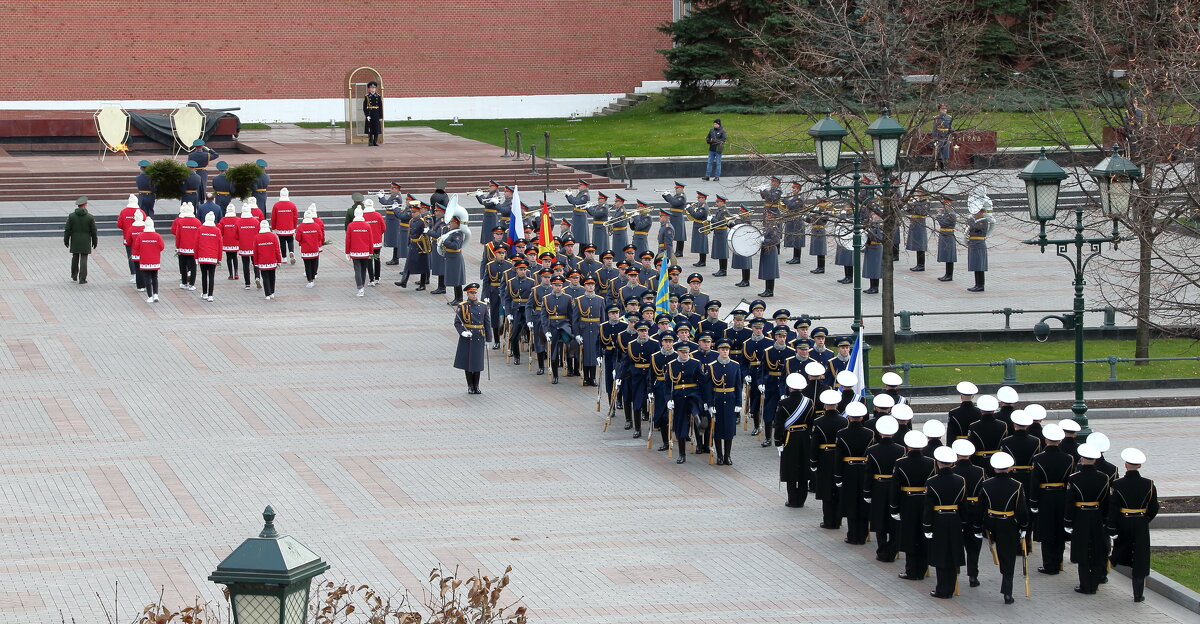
(454, 211)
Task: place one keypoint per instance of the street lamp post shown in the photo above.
(1114, 176)
(885, 134)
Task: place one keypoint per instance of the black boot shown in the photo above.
(403, 283)
(665, 439)
(745, 279)
(702, 261)
(849, 276)
(820, 266)
(978, 287)
(795, 256)
(554, 364)
(423, 283)
(770, 291)
(721, 266)
(768, 439)
(920, 262)
(949, 276)
(874, 289)
(470, 385)
(678, 249)
(395, 257)
(541, 364)
(441, 286)
(457, 295)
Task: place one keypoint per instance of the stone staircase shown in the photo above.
(627, 101)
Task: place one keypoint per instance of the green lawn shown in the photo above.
(255, 126)
(963, 352)
(646, 130)
(1181, 566)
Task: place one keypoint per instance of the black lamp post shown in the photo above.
(1114, 176)
(885, 134)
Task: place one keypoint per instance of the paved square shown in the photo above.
(141, 442)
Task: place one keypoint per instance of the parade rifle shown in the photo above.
(992, 547)
(1025, 566)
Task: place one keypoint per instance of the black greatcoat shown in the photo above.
(945, 489)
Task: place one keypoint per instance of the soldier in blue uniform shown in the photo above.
(677, 202)
(586, 315)
(372, 107)
(556, 312)
(942, 137)
(515, 297)
(473, 325)
(191, 185)
(419, 246)
(203, 155)
(537, 321)
(638, 355)
(394, 206)
(261, 184)
(947, 245)
(774, 366)
(697, 213)
(145, 190)
(918, 234)
(768, 257)
(494, 276)
(978, 226)
(685, 381)
(607, 342)
(794, 234)
(489, 200)
(723, 393)
(222, 187)
(579, 215)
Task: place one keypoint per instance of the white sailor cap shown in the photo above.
(1002, 461)
(1021, 418)
(1035, 411)
(830, 397)
(915, 440)
(902, 412)
(945, 454)
(796, 381)
(987, 403)
(1100, 441)
(963, 448)
(933, 428)
(1052, 432)
(966, 387)
(883, 401)
(856, 410)
(847, 378)
(892, 379)
(1068, 424)
(814, 369)
(1133, 456)
(1088, 451)
(886, 425)
(1006, 394)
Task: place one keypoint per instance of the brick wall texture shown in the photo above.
(93, 50)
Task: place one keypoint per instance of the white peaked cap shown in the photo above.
(814, 369)
(883, 401)
(966, 387)
(933, 429)
(1088, 451)
(1100, 441)
(1006, 394)
(892, 379)
(1052, 432)
(1002, 461)
(963, 448)
(1133, 456)
(796, 381)
(902, 412)
(1022, 418)
(856, 410)
(1068, 424)
(1035, 411)
(886, 425)
(915, 440)
(831, 397)
(945, 454)
(283, 194)
(847, 378)
(987, 403)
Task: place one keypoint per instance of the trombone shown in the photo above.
(566, 191)
(623, 219)
(722, 223)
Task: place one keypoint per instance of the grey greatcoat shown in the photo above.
(947, 246)
(977, 231)
(471, 316)
(393, 205)
(768, 257)
(579, 217)
(873, 254)
(489, 201)
(453, 265)
(918, 233)
(720, 235)
(843, 253)
(587, 313)
(641, 231)
(620, 232)
(437, 262)
(666, 238)
(698, 215)
(599, 215)
(818, 220)
(794, 234)
(677, 201)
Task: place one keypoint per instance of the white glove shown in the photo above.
(671, 404)
(737, 409)
(712, 410)
(867, 500)
(747, 378)
(547, 335)
(347, 256)
(780, 449)
(1033, 509)
(837, 484)
(762, 387)
(929, 536)
(896, 517)
(979, 536)
(1024, 535)
(600, 361)
(1069, 530)
(509, 317)
(579, 339)
(529, 325)
(487, 301)
(466, 333)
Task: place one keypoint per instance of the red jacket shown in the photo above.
(310, 236)
(266, 250)
(185, 230)
(283, 218)
(149, 249)
(131, 234)
(229, 233)
(377, 227)
(257, 213)
(208, 245)
(125, 219)
(247, 233)
(358, 239)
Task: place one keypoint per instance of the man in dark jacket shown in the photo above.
(945, 495)
(716, 147)
(80, 237)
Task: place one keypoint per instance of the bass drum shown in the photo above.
(745, 239)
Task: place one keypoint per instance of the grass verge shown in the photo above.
(1181, 566)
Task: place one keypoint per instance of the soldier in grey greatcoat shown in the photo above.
(697, 213)
(677, 201)
(641, 228)
(918, 236)
(843, 236)
(720, 240)
(817, 221)
(794, 234)
(599, 216)
(872, 267)
(620, 231)
(947, 246)
(768, 257)
(666, 232)
(394, 205)
(473, 325)
(579, 216)
(978, 226)
(489, 199)
(742, 263)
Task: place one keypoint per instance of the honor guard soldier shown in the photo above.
(903, 415)
(586, 317)
(1007, 398)
(945, 494)
(489, 249)
(768, 256)
(538, 343)
(1101, 442)
(908, 505)
(599, 215)
(724, 397)
(608, 348)
(419, 246)
(700, 299)
(752, 350)
(947, 252)
(1133, 503)
(145, 190)
(1070, 444)
(918, 234)
(640, 223)
(841, 359)
(973, 477)
(608, 277)
(843, 252)
(794, 416)
(473, 325)
(1086, 516)
(588, 265)
(891, 387)
(740, 262)
(437, 262)
(943, 130)
(774, 367)
(222, 187)
(677, 202)
(1021, 447)
(872, 267)
(686, 316)
(666, 233)
(393, 205)
(1004, 519)
(191, 185)
(850, 468)
(1047, 498)
(877, 482)
(556, 312)
(720, 236)
(794, 234)
(579, 215)
(372, 107)
(684, 381)
(823, 463)
(261, 184)
(619, 233)
(712, 323)
(202, 155)
(961, 418)
(660, 392)
(489, 199)
(697, 213)
(987, 432)
(704, 352)
(818, 219)
(494, 286)
(772, 195)
(451, 246)
(977, 232)
(514, 296)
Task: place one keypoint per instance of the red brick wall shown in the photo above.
(252, 49)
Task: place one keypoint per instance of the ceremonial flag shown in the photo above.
(516, 224)
(546, 231)
(856, 366)
(662, 302)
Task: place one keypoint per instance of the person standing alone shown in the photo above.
(373, 112)
(79, 236)
(716, 147)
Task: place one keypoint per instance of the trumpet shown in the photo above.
(566, 191)
(478, 192)
(623, 219)
(414, 202)
(665, 191)
(722, 223)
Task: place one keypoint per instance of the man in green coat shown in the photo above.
(80, 237)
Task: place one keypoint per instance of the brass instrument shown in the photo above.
(424, 242)
(625, 218)
(729, 221)
(414, 202)
(566, 191)
(664, 191)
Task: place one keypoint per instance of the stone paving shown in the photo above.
(141, 443)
